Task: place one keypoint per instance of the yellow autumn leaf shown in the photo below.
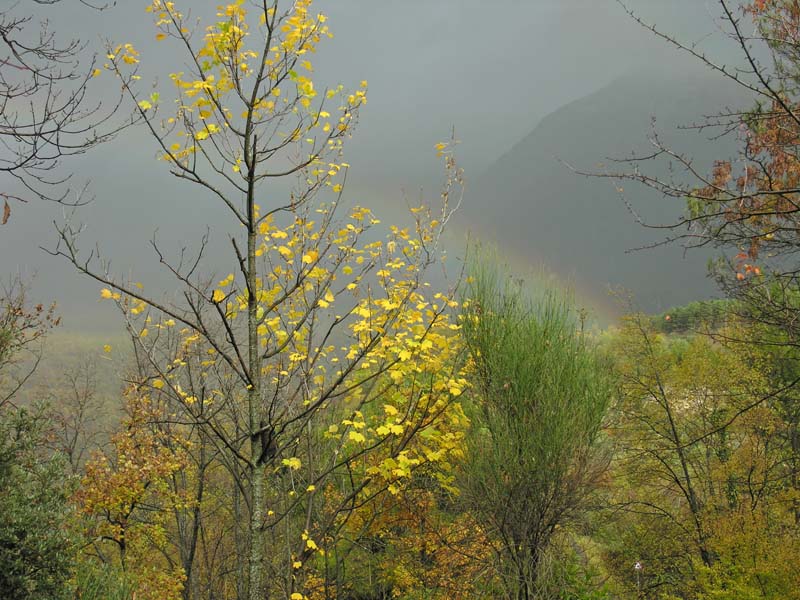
(218, 296)
(107, 348)
(327, 299)
(158, 384)
(355, 436)
(293, 463)
(145, 104)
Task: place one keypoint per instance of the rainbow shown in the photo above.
(603, 306)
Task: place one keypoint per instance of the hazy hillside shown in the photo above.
(580, 227)
(71, 360)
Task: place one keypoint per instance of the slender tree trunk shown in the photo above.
(240, 543)
(794, 438)
(256, 545)
(257, 471)
(189, 547)
(687, 485)
(691, 495)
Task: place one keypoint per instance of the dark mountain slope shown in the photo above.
(536, 207)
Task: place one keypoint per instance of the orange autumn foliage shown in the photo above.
(121, 496)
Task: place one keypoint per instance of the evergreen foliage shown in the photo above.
(540, 394)
(36, 550)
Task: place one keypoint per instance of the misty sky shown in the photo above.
(492, 70)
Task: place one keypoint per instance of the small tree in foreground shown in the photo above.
(540, 393)
(303, 375)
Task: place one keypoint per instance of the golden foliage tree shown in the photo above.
(321, 371)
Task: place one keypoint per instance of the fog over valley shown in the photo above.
(523, 85)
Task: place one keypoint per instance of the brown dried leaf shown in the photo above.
(6, 211)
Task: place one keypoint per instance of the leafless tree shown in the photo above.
(47, 110)
(76, 414)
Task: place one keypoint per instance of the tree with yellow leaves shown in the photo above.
(305, 377)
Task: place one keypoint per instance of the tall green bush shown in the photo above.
(540, 393)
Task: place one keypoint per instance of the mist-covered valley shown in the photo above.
(504, 111)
